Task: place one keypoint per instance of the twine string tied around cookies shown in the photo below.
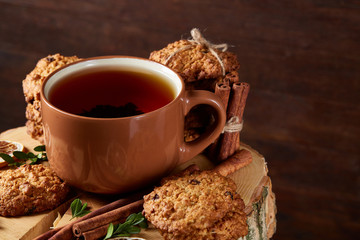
(233, 125)
(198, 39)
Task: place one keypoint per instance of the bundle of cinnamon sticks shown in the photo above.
(95, 224)
(233, 94)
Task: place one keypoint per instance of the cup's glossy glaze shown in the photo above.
(115, 155)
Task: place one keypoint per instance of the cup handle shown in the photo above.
(191, 99)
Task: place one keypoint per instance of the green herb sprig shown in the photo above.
(132, 225)
(78, 209)
(24, 157)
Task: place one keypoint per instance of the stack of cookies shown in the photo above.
(197, 205)
(31, 87)
(201, 65)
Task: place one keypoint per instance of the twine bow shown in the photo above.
(233, 125)
(198, 39)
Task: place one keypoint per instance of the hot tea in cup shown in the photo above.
(111, 93)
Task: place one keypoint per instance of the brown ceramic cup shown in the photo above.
(117, 155)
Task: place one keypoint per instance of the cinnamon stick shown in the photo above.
(222, 90)
(63, 233)
(49, 234)
(244, 88)
(238, 160)
(236, 108)
(231, 77)
(96, 233)
(99, 232)
(106, 218)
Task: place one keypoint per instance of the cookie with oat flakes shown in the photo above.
(195, 62)
(192, 202)
(30, 189)
(232, 226)
(32, 83)
(31, 88)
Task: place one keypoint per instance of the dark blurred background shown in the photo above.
(301, 58)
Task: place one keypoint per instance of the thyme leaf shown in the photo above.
(78, 209)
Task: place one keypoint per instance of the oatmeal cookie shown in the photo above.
(196, 62)
(232, 226)
(31, 88)
(192, 203)
(45, 66)
(30, 189)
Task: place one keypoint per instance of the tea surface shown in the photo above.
(84, 92)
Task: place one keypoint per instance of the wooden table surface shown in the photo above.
(301, 58)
